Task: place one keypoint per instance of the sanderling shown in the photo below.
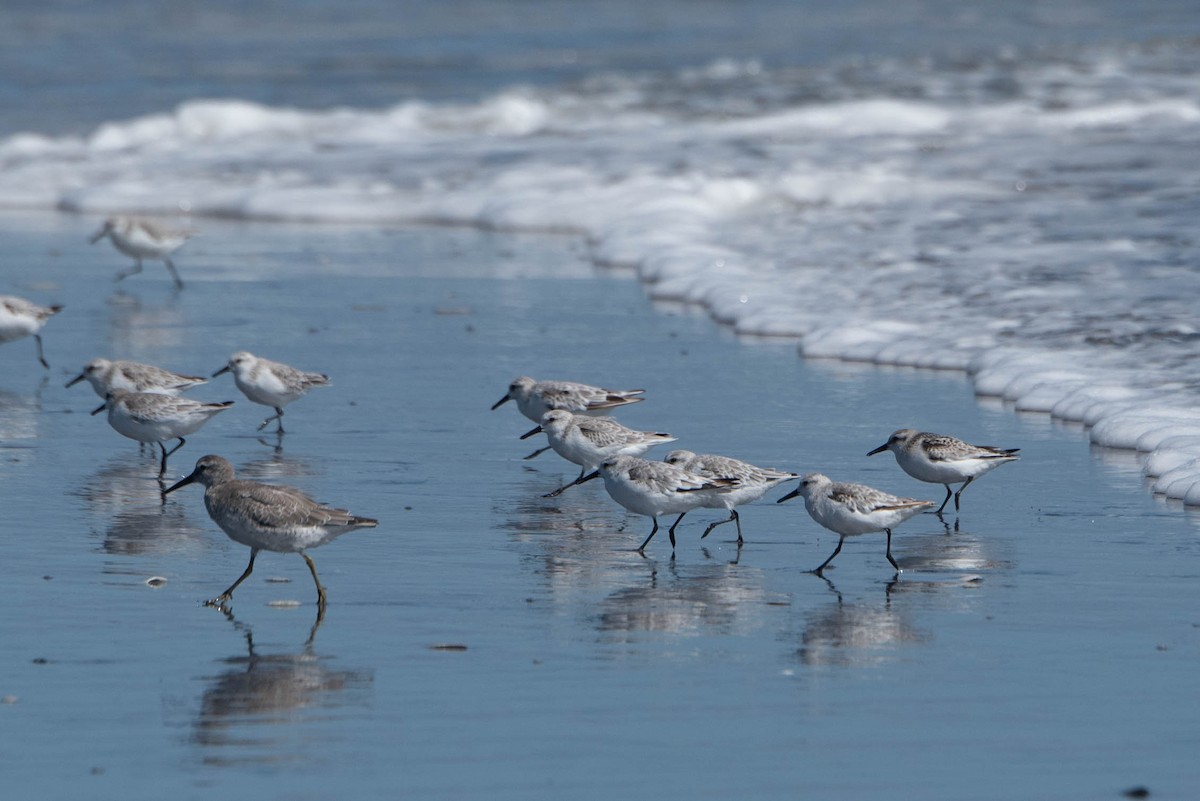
(105, 375)
(270, 383)
(535, 398)
(20, 318)
(588, 441)
(656, 488)
(155, 417)
(850, 509)
(267, 517)
(940, 459)
(753, 482)
(143, 239)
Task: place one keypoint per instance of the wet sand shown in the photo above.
(487, 642)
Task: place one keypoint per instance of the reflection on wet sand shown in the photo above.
(126, 498)
(249, 711)
(276, 468)
(857, 633)
(136, 327)
(20, 413)
(712, 597)
(575, 546)
(950, 551)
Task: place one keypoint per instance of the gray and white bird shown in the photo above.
(852, 509)
(657, 488)
(753, 482)
(941, 459)
(155, 417)
(535, 398)
(270, 383)
(140, 239)
(588, 441)
(106, 375)
(266, 517)
(20, 318)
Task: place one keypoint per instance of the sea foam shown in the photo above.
(1021, 220)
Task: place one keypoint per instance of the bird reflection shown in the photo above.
(857, 633)
(136, 327)
(712, 597)
(276, 468)
(951, 551)
(127, 497)
(20, 413)
(250, 707)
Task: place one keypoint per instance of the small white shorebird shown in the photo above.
(535, 398)
(155, 417)
(270, 383)
(657, 488)
(20, 318)
(753, 482)
(265, 517)
(588, 441)
(143, 239)
(940, 459)
(106, 375)
(851, 509)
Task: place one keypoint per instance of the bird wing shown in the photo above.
(864, 500)
(278, 506)
(940, 448)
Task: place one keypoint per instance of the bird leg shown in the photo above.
(220, 600)
(565, 487)
(653, 531)
(277, 416)
(836, 551)
(38, 339)
(312, 568)
(966, 484)
(162, 467)
(945, 501)
(889, 550)
(137, 268)
(174, 274)
(733, 516)
(671, 531)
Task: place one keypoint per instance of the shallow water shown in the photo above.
(487, 642)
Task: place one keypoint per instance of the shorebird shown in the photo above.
(753, 482)
(105, 375)
(656, 488)
(535, 398)
(588, 441)
(852, 509)
(143, 239)
(940, 459)
(20, 318)
(155, 417)
(270, 383)
(266, 517)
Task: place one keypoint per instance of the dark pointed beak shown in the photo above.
(96, 237)
(500, 402)
(529, 434)
(75, 380)
(99, 408)
(181, 483)
(880, 449)
(789, 496)
(224, 369)
(589, 477)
